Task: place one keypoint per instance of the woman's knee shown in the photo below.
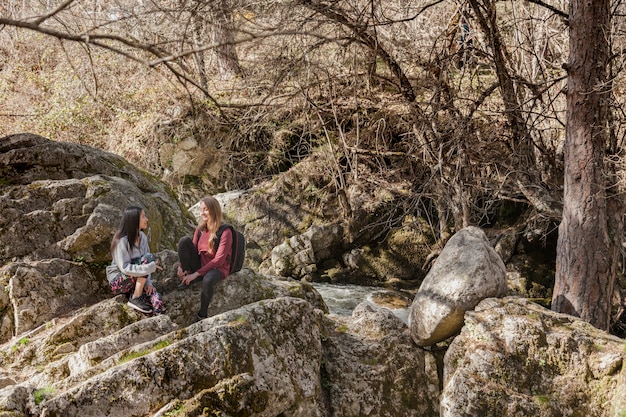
(212, 277)
(184, 242)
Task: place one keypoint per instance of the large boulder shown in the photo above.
(39, 291)
(237, 290)
(467, 271)
(279, 356)
(64, 200)
(372, 368)
(516, 358)
(243, 362)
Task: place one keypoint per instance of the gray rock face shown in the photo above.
(40, 291)
(467, 271)
(238, 363)
(62, 200)
(516, 358)
(298, 256)
(372, 367)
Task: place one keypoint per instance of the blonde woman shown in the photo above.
(204, 258)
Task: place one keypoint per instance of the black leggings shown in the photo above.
(188, 255)
(190, 262)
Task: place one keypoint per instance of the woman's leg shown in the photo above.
(123, 284)
(156, 300)
(139, 284)
(188, 255)
(209, 281)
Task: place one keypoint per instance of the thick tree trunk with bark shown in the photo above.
(225, 52)
(589, 233)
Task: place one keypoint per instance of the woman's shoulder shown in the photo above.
(224, 227)
(143, 238)
(123, 243)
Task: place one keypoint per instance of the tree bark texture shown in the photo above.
(587, 248)
(222, 35)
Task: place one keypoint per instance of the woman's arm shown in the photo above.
(122, 258)
(144, 247)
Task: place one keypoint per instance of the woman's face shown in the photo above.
(143, 221)
(204, 212)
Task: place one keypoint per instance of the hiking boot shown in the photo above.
(140, 304)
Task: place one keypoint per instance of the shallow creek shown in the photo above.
(342, 299)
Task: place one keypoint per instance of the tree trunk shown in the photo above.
(225, 52)
(591, 227)
(199, 56)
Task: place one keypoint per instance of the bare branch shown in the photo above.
(59, 9)
(551, 8)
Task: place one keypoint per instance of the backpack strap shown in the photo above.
(218, 236)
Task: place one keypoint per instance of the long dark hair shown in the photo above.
(129, 227)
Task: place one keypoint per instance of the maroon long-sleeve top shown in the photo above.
(219, 260)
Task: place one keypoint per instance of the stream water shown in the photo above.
(342, 299)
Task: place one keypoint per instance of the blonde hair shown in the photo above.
(215, 218)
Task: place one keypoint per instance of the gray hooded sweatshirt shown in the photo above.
(122, 256)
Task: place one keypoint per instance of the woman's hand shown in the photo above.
(181, 274)
(187, 279)
(149, 289)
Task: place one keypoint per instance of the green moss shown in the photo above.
(125, 318)
(371, 361)
(295, 291)
(43, 393)
(177, 410)
(342, 328)
(133, 355)
(22, 342)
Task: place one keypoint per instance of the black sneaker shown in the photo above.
(140, 304)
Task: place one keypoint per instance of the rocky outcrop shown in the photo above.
(516, 358)
(238, 363)
(299, 255)
(279, 356)
(467, 271)
(39, 291)
(63, 200)
(68, 348)
(371, 367)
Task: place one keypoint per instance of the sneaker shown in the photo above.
(199, 317)
(140, 304)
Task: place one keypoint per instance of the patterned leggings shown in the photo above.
(124, 284)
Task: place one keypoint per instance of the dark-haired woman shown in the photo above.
(202, 258)
(129, 272)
